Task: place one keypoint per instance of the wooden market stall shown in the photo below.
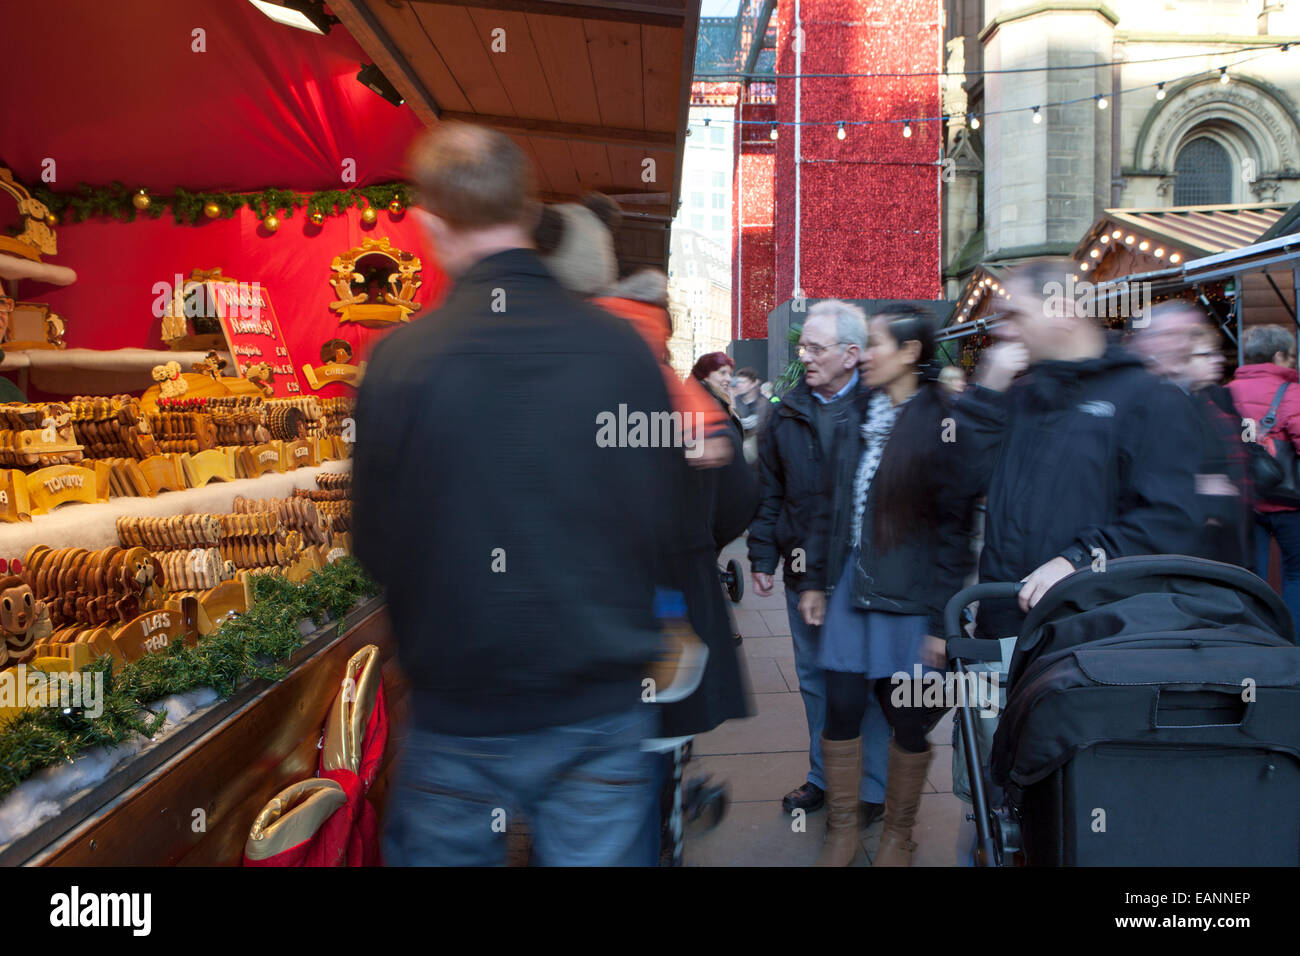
(217, 451)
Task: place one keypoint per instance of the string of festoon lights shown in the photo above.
(974, 120)
(1281, 46)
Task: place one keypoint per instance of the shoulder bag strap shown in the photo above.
(1268, 421)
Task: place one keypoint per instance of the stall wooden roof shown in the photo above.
(1195, 230)
(589, 90)
(1126, 242)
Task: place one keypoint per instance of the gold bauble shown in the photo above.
(316, 218)
(369, 217)
(272, 223)
(52, 219)
(395, 208)
(140, 200)
(211, 210)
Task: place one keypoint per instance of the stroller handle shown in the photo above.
(957, 603)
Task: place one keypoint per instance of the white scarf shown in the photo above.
(881, 415)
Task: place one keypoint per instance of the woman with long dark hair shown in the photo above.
(896, 548)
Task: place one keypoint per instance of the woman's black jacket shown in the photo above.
(919, 575)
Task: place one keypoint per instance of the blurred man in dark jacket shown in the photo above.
(519, 541)
(1084, 459)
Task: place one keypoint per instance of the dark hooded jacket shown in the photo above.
(1088, 460)
(797, 483)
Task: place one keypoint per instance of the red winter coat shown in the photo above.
(1253, 388)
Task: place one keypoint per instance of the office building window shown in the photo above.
(719, 223)
(719, 201)
(697, 199)
(697, 222)
(716, 136)
(719, 180)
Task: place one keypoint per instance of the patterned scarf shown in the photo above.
(881, 415)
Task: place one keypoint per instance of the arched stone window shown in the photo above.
(1202, 174)
(1257, 136)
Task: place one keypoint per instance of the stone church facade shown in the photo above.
(1173, 131)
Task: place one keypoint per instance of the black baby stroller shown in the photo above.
(1152, 718)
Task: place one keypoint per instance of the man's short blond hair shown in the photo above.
(471, 176)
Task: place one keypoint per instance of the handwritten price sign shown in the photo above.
(253, 333)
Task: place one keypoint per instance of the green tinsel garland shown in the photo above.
(252, 646)
(115, 200)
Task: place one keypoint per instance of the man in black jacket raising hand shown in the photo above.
(1085, 458)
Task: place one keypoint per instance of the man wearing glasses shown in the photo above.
(806, 434)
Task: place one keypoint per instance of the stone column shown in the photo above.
(1045, 183)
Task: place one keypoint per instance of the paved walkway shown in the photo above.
(764, 757)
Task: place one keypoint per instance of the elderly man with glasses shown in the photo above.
(809, 436)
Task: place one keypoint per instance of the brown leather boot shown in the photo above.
(842, 764)
(902, 800)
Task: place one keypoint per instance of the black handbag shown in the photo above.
(1275, 474)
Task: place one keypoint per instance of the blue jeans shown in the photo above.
(812, 688)
(583, 788)
(1285, 527)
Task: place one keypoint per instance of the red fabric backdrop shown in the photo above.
(112, 303)
(118, 91)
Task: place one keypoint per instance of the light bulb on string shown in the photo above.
(706, 121)
(1160, 91)
(974, 121)
(907, 130)
(1223, 75)
(839, 133)
(1102, 102)
(773, 134)
(1038, 117)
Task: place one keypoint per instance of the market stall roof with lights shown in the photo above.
(1124, 243)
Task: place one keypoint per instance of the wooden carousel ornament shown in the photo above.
(189, 322)
(360, 277)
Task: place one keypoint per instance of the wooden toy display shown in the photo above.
(336, 411)
(112, 427)
(37, 435)
(295, 514)
(89, 604)
(169, 578)
(142, 449)
(332, 498)
(183, 425)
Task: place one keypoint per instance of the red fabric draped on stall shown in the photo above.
(133, 93)
(125, 95)
(118, 264)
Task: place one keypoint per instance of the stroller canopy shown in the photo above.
(1099, 656)
(1147, 595)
